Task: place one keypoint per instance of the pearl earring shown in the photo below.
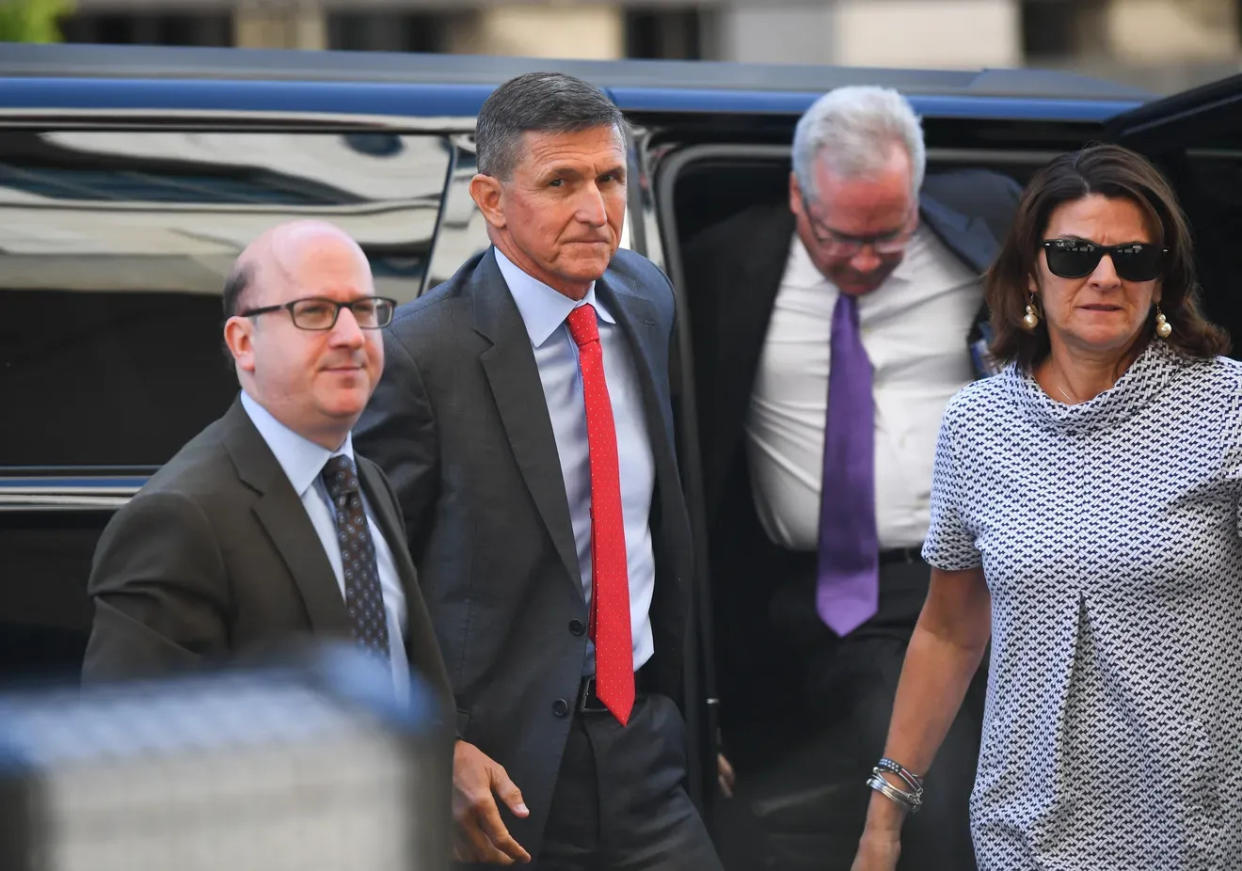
(1163, 328)
(1030, 320)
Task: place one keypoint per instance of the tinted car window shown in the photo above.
(1207, 182)
(117, 245)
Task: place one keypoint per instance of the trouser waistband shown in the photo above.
(588, 702)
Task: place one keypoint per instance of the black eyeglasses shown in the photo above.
(842, 245)
(320, 313)
(836, 244)
(1075, 258)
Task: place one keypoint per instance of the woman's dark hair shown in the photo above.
(1114, 172)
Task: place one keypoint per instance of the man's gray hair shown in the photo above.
(849, 128)
(541, 103)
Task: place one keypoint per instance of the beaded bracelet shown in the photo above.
(911, 801)
(912, 780)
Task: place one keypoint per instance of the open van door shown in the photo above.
(1195, 137)
(1196, 117)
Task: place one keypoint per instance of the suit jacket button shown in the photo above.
(560, 707)
(576, 627)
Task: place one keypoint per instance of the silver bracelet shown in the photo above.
(911, 779)
(911, 801)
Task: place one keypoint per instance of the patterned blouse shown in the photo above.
(1108, 533)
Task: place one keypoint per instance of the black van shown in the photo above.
(131, 177)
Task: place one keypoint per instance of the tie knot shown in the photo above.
(340, 477)
(582, 325)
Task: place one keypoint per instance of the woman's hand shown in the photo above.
(880, 844)
(944, 652)
(877, 851)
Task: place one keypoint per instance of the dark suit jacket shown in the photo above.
(215, 559)
(762, 595)
(461, 425)
(733, 271)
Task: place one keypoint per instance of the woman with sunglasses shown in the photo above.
(1085, 518)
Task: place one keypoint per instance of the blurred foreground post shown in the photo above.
(312, 767)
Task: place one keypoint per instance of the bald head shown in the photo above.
(277, 254)
(314, 380)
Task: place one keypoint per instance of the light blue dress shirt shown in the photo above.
(543, 311)
(302, 461)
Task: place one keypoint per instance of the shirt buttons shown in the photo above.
(560, 707)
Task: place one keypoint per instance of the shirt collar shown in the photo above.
(800, 269)
(301, 459)
(543, 308)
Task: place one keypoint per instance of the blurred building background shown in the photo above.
(1162, 45)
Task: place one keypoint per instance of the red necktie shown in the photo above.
(610, 578)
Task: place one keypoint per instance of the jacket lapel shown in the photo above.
(385, 511)
(649, 347)
(751, 295)
(637, 320)
(281, 514)
(969, 238)
(518, 393)
(744, 300)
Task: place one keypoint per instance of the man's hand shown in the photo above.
(480, 835)
(725, 778)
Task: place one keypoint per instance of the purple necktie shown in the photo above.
(847, 587)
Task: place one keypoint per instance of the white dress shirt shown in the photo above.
(302, 461)
(543, 310)
(914, 328)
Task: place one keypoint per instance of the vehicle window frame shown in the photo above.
(92, 485)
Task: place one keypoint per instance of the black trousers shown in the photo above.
(801, 798)
(620, 802)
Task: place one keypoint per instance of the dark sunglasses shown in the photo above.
(1075, 258)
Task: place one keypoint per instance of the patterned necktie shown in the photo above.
(847, 588)
(364, 599)
(610, 577)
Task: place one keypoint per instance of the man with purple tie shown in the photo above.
(836, 330)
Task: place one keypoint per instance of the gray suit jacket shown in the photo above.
(215, 559)
(460, 424)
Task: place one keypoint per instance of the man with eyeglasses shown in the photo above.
(831, 328)
(266, 528)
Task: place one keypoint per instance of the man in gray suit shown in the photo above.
(266, 528)
(525, 420)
